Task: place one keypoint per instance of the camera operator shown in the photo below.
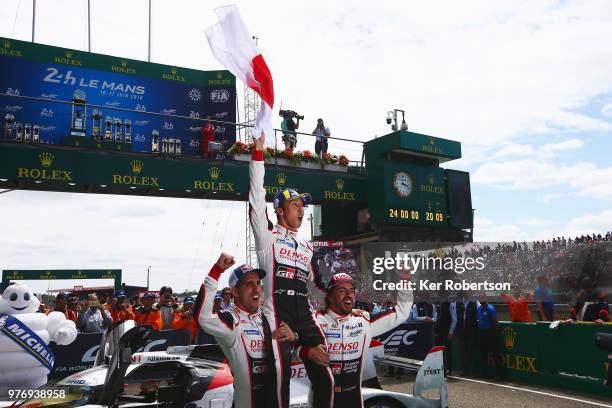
(322, 133)
(289, 126)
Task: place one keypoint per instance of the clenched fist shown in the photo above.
(225, 261)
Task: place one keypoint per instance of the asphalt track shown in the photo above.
(481, 393)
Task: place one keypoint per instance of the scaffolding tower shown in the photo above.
(251, 108)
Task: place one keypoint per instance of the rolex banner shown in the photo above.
(68, 82)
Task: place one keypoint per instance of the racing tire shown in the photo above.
(383, 402)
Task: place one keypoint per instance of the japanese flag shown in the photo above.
(235, 49)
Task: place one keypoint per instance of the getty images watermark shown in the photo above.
(412, 263)
(437, 269)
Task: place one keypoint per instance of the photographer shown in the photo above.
(119, 309)
(322, 133)
(289, 126)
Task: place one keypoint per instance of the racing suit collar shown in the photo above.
(336, 316)
(285, 231)
(244, 312)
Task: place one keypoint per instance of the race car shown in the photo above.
(199, 376)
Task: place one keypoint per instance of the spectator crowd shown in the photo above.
(162, 310)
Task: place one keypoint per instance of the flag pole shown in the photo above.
(149, 59)
(89, 25)
(33, 18)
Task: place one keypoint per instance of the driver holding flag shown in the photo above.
(288, 262)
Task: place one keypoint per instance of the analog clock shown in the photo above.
(402, 184)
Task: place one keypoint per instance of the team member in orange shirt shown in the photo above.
(61, 305)
(121, 311)
(518, 304)
(148, 314)
(184, 320)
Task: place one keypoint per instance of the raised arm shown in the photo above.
(315, 274)
(222, 329)
(389, 320)
(261, 225)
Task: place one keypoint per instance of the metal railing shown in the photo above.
(352, 149)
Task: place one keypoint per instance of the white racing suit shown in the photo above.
(287, 260)
(348, 339)
(240, 335)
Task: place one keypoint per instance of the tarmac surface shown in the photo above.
(484, 393)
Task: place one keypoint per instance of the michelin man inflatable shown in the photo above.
(25, 357)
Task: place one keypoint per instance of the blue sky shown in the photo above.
(525, 87)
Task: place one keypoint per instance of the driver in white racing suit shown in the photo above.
(349, 335)
(288, 262)
(239, 329)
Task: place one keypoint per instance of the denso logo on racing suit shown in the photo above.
(342, 347)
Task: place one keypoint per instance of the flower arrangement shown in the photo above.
(308, 157)
(286, 154)
(330, 158)
(238, 148)
(294, 157)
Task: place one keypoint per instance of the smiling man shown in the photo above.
(239, 329)
(349, 334)
(288, 262)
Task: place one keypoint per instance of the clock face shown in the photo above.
(402, 184)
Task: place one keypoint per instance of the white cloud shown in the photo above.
(487, 230)
(585, 179)
(547, 151)
(607, 110)
(537, 222)
(589, 223)
(514, 149)
(549, 197)
(571, 144)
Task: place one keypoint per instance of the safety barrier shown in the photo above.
(532, 353)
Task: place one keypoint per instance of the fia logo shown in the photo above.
(219, 95)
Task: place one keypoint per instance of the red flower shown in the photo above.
(287, 153)
(307, 154)
(343, 160)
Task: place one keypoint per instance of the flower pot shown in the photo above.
(282, 162)
(336, 167)
(245, 157)
(309, 165)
